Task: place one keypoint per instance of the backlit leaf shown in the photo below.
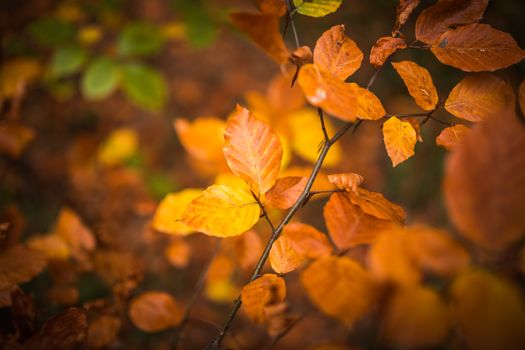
(19, 264)
(419, 83)
(478, 97)
(452, 136)
(169, 212)
(400, 139)
(261, 292)
(346, 101)
(384, 48)
(222, 211)
(375, 204)
(476, 48)
(100, 79)
(203, 137)
(340, 288)
(346, 181)
(144, 86)
(283, 258)
(285, 192)
(253, 150)
(337, 54)
(316, 8)
(155, 311)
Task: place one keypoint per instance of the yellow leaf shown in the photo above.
(346, 101)
(419, 83)
(337, 54)
(222, 211)
(253, 150)
(223, 291)
(169, 212)
(203, 138)
(119, 146)
(230, 180)
(400, 139)
(155, 311)
(285, 192)
(452, 136)
(340, 288)
(265, 290)
(316, 8)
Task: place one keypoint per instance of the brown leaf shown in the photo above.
(337, 54)
(263, 29)
(384, 48)
(446, 14)
(14, 137)
(419, 83)
(346, 181)
(102, 331)
(301, 55)
(404, 9)
(476, 48)
(340, 288)
(272, 7)
(155, 311)
(346, 101)
(349, 225)
(452, 136)
(19, 264)
(258, 294)
(484, 179)
(400, 139)
(253, 150)
(285, 192)
(479, 96)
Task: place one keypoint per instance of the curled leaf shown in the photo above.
(384, 48)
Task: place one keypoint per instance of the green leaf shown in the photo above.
(100, 79)
(67, 61)
(139, 39)
(201, 31)
(144, 86)
(52, 31)
(316, 8)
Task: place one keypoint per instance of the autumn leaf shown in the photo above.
(490, 312)
(14, 137)
(103, 331)
(52, 246)
(384, 48)
(203, 137)
(246, 249)
(155, 311)
(119, 146)
(12, 271)
(283, 257)
(169, 212)
(263, 29)
(400, 140)
(178, 253)
(478, 97)
(446, 14)
(411, 327)
(258, 294)
(419, 83)
(340, 288)
(301, 56)
(377, 205)
(346, 101)
(346, 181)
(316, 8)
(285, 192)
(337, 54)
(476, 48)
(253, 150)
(452, 136)
(222, 211)
(272, 7)
(404, 9)
(483, 185)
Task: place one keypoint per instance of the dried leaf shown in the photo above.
(476, 48)
(19, 264)
(169, 212)
(222, 211)
(446, 14)
(285, 192)
(490, 312)
(478, 97)
(316, 8)
(400, 139)
(340, 288)
(337, 54)
(484, 179)
(416, 317)
(346, 181)
(202, 138)
(404, 9)
(261, 292)
(452, 136)
(263, 29)
(384, 48)
(253, 150)
(419, 83)
(301, 55)
(344, 101)
(155, 311)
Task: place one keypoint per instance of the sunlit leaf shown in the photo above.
(316, 8)
(261, 292)
(384, 48)
(375, 204)
(155, 311)
(144, 86)
(178, 253)
(169, 212)
(452, 136)
(203, 138)
(400, 139)
(285, 192)
(100, 79)
(419, 83)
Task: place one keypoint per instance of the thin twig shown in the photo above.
(323, 126)
(292, 23)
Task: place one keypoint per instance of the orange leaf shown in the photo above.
(483, 187)
(476, 48)
(337, 54)
(346, 181)
(301, 55)
(384, 48)
(178, 253)
(285, 192)
(478, 97)
(452, 136)
(18, 265)
(340, 288)
(272, 7)
(102, 331)
(375, 204)
(349, 225)
(155, 311)
(417, 127)
(283, 257)
(246, 248)
(253, 150)
(404, 9)
(203, 138)
(73, 231)
(52, 245)
(265, 290)
(446, 14)
(346, 101)
(419, 83)
(416, 317)
(400, 139)
(263, 29)
(14, 137)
